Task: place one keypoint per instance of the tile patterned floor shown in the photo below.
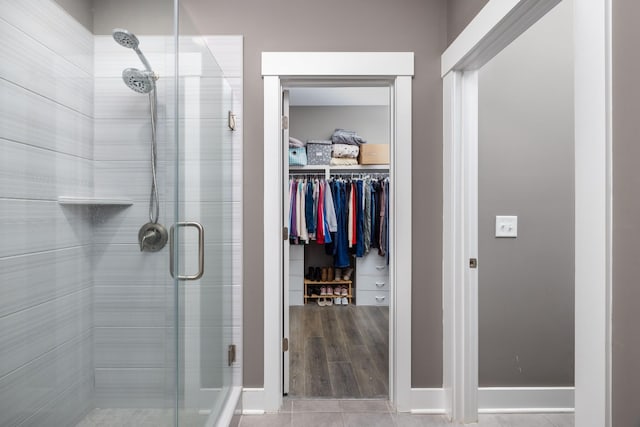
(377, 413)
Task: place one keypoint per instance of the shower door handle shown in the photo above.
(200, 229)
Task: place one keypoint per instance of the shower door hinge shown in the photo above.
(285, 233)
(231, 120)
(285, 344)
(232, 354)
(285, 122)
(473, 263)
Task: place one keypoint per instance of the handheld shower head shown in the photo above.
(129, 40)
(138, 81)
(125, 38)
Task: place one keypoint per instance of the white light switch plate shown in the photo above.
(506, 226)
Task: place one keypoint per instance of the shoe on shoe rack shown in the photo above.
(330, 274)
(329, 290)
(322, 302)
(323, 291)
(344, 291)
(324, 273)
(346, 273)
(345, 300)
(328, 301)
(337, 301)
(337, 290)
(317, 274)
(338, 274)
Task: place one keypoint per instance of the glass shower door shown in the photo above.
(203, 235)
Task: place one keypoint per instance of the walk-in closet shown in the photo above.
(337, 193)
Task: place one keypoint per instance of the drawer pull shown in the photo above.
(380, 267)
(380, 298)
(380, 284)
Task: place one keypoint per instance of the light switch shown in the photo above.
(506, 226)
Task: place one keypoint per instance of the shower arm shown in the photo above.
(146, 64)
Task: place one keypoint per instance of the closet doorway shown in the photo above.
(283, 72)
(337, 289)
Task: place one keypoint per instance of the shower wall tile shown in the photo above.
(114, 100)
(31, 119)
(33, 173)
(33, 386)
(111, 58)
(40, 70)
(134, 387)
(28, 226)
(125, 139)
(228, 53)
(46, 150)
(128, 179)
(48, 23)
(133, 347)
(33, 279)
(68, 408)
(132, 306)
(27, 334)
(121, 225)
(124, 265)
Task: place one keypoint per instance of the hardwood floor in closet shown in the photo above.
(339, 351)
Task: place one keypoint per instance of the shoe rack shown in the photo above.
(312, 289)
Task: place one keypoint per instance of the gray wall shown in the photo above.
(371, 122)
(80, 10)
(359, 25)
(526, 168)
(626, 213)
(151, 17)
(459, 14)
(46, 109)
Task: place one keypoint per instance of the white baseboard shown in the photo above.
(427, 401)
(525, 399)
(253, 401)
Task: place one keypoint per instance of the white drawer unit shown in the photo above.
(372, 297)
(372, 280)
(372, 263)
(296, 274)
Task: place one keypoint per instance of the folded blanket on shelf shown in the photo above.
(335, 161)
(342, 136)
(345, 151)
(295, 142)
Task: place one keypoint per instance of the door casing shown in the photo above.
(497, 25)
(398, 69)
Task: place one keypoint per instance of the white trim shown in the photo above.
(253, 401)
(228, 410)
(482, 39)
(525, 399)
(400, 262)
(273, 270)
(494, 28)
(354, 67)
(593, 212)
(316, 64)
(429, 401)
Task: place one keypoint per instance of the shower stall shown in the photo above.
(120, 201)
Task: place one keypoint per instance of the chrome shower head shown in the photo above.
(139, 81)
(125, 38)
